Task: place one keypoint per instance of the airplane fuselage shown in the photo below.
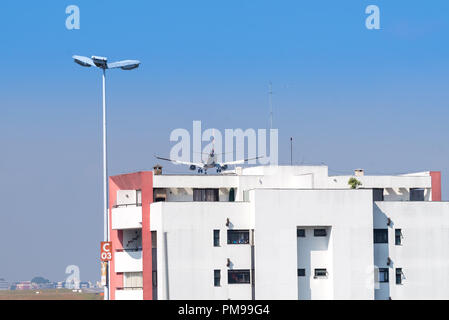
(211, 163)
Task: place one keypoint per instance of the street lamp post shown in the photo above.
(102, 63)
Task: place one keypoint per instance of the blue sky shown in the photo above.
(350, 97)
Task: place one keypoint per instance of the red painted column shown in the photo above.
(436, 185)
(116, 237)
(134, 181)
(147, 199)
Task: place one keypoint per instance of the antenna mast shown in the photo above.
(291, 151)
(270, 94)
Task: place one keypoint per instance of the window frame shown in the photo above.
(380, 192)
(217, 278)
(421, 191)
(154, 278)
(317, 270)
(216, 236)
(300, 233)
(398, 275)
(386, 273)
(376, 240)
(398, 237)
(153, 239)
(236, 231)
(206, 194)
(301, 272)
(246, 272)
(316, 232)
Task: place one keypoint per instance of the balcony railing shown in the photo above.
(128, 261)
(129, 288)
(126, 294)
(128, 249)
(127, 205)
(126, 217)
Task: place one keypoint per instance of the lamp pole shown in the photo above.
(102, 63)
(105, 185)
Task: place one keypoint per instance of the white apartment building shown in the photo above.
(278, 232)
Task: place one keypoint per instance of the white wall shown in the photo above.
(277, 215)
(126, 197)
(280, 199)
(129, 295)
(128, 261)
(126, 217)
(191, 256)
(424, 252)
(315, 253)
(383, 181)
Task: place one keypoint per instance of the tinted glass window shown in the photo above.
(398, 275)
(205, 195)
(380, 235)
(383, 274)
(319, 232)
(416, 194)
(216, 238)
(238, 276)
(398, 237)
(320, 272)
(238, 236)
(217, 277)
(378, 194)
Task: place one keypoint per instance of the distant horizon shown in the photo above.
(51, 281)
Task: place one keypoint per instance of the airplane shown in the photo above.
(210, 163)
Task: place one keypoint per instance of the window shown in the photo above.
(159, 195)
(205, 195)
(139, 197)
(398, 275)
(378, 194)
(132, 280)
(232, 195)
(153, 239)
(300, 233)
(238, 276)
(380, 235)
(154, 278)
(301, 272)
(416, 194)
(398, 237)
(383, 274)
(319, 232)
(320, 273)
(217, 276)
(216, 238)
(238, 236)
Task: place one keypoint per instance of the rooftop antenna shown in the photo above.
(270, 98)
(213, 140)
(291, 151)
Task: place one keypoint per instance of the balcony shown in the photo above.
(126, 217)
(128, 260)
(129, 294)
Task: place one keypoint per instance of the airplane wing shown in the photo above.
(238, 161)
(200, 165)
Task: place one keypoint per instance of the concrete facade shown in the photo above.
(284, 232)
